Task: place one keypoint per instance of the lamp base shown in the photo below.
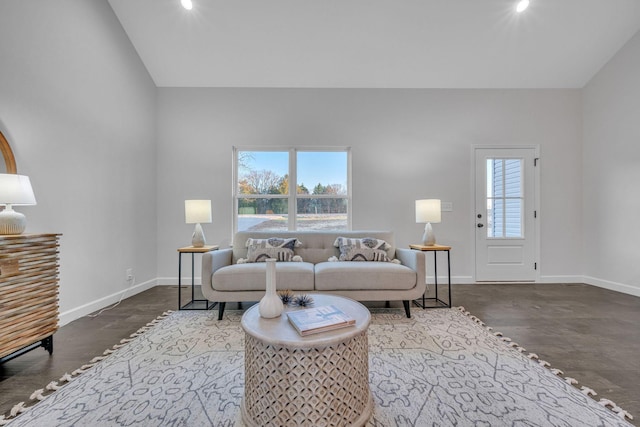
(12, 222)
(428, 238)
(197, 239)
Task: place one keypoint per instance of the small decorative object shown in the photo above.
(270, 305)
(15, 190)
(196, 212)
(428, 211)
(303, 300)
(286, 297)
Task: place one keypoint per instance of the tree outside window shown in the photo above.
(264, 193)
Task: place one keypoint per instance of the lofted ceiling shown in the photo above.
(377, 43)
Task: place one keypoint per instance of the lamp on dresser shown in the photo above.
(15, 190)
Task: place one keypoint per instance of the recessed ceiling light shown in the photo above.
(522, 5)
(187, 4)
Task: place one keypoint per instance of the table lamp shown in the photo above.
(428, 211)
(197, 212)
(15, 190)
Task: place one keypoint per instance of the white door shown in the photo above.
(505, 214)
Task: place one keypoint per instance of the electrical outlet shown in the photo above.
(129, 274)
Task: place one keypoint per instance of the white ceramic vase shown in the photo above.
(270, 305)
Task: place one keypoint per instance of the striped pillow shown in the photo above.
(365, 249)
(273, 247)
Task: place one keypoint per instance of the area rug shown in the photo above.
(440, 368)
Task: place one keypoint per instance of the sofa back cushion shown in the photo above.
(316, 246)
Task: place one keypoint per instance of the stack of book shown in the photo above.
(319, 319)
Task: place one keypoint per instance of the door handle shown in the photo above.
(480, 225)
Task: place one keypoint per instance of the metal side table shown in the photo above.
(437, 301)
(194, 304)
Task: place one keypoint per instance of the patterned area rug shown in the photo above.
(442, 367)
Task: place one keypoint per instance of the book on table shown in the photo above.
(319, 319)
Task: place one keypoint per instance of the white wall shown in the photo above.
(406, 145)
(612, 173)
(82, 113)
(78, 109)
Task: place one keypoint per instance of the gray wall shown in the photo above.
(83, 116)
(78, 109)
(406, 145)
(612, 173)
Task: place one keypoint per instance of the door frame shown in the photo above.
(536, 203)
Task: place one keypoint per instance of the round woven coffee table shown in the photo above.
(315, 380)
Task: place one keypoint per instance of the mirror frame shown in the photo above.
(9, 159)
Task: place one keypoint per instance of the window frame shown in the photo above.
(293, 196)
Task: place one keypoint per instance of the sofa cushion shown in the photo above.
(317, 246)
(281, 249)
(296, 276)
(363, 276)
(363, 249)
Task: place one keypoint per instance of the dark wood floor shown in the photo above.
(592, 334)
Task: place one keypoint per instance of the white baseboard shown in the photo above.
(443, 280)
(173, 281)
(607, 284)
(614, 286)
(78, 312)
(561, 279)
(465, 280)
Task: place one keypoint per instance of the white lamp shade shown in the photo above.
(16, 190)
(428, 210)
(197, 211)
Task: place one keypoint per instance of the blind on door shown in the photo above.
(504, 198)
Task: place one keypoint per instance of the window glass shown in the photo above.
(324, 168)
(322, 174)
(264, 192)
(504, 198)
(322, 214)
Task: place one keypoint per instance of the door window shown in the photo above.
(504, 198)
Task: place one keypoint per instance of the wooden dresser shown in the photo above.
(28, 293)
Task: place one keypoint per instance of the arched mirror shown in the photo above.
(9, 165)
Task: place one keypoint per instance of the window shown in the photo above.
(312, 183)
(504, 198)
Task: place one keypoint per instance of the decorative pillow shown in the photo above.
(365, 249)
(273, 247)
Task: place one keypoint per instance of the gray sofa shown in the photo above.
(224, 280)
